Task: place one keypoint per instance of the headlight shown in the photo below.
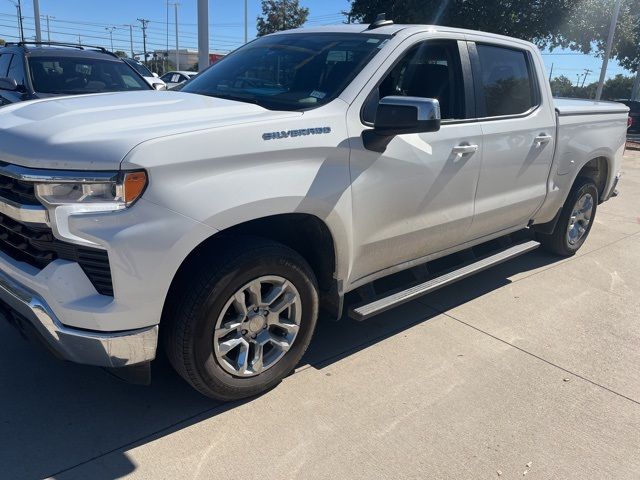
(65, 197)
(110, 195)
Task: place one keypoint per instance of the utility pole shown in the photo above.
(348, 15)
(607, 54)
(177, 41)
(18, 6)
(48, 28)
(165, 60)
(551, 72)
(36, 19)
(246, 23)
(79, 40)
(110, 30)
(203, 34)
(130, 39)
(144, 23)
(587, 71)
(578, 82)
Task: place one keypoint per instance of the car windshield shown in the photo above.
(289, 71)
(71, 75)
(139, 67)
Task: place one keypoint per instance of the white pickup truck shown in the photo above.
(305, 165)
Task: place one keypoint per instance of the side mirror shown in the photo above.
(159, 86)
(8, 84)
(155, 74)
(401, 115)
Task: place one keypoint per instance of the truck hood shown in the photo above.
(95, 132)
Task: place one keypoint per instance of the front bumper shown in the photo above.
(117, 349)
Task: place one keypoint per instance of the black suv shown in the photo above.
(39, 70)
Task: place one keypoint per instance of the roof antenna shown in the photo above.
(380, 21)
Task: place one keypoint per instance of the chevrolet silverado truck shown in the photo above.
(217, 222)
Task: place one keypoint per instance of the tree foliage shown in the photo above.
(581, 25)
(616, 88)
(2, 42)
(281, 15)
(121, 54)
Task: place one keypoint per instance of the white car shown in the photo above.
(175, 78)
(151, 78)
(223, 218)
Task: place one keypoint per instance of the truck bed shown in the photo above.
(573, 106)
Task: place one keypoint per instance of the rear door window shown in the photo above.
(506, 81)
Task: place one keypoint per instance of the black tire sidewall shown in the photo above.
(208, 368)
(579, 191)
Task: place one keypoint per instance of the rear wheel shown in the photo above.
(575, 221)
(244, 320)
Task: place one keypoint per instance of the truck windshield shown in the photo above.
(75, 75)
(289, 71)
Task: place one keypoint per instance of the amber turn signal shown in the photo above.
(134, 184)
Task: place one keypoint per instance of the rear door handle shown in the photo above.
(464, 149)
(542, 139)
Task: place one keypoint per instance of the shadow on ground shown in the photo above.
(55, 416)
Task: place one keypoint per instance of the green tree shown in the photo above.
(121, 54)
(618, 87)
(562, 87)
(281, 15)
(2, 42)
(581, 25)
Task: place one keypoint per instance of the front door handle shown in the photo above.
(542, 139)
(464, 149)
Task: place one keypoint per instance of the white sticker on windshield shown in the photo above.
(317, 94)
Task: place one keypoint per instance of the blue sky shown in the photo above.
(89, 18)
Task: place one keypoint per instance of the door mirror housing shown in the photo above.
(398, 115)
(8, 84)
(401, 115)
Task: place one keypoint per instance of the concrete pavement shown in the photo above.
(531, 368)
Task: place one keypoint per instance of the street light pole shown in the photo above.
(130, 38)
(605, 61)
(48, 28)
(36, 18)
(175, 5)
(246, 23)
(203, 34)
(110, 30)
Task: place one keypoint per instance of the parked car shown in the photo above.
(634, 115)
(151, 77)
(173, 79)
(30, 71)
(306, 165)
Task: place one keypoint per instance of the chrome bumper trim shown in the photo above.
(119, 349)
(24, 213)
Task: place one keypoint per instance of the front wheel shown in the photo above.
(244, 320)
(575, 221)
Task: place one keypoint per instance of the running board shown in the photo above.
(365, 311)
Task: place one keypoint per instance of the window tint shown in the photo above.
(16, 70)
(506, 81)
(74, 75)
(5, 60)
(428, 70)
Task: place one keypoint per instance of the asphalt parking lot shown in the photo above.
(531, 368)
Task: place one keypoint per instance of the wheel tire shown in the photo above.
(558, 242)
(195, 308)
